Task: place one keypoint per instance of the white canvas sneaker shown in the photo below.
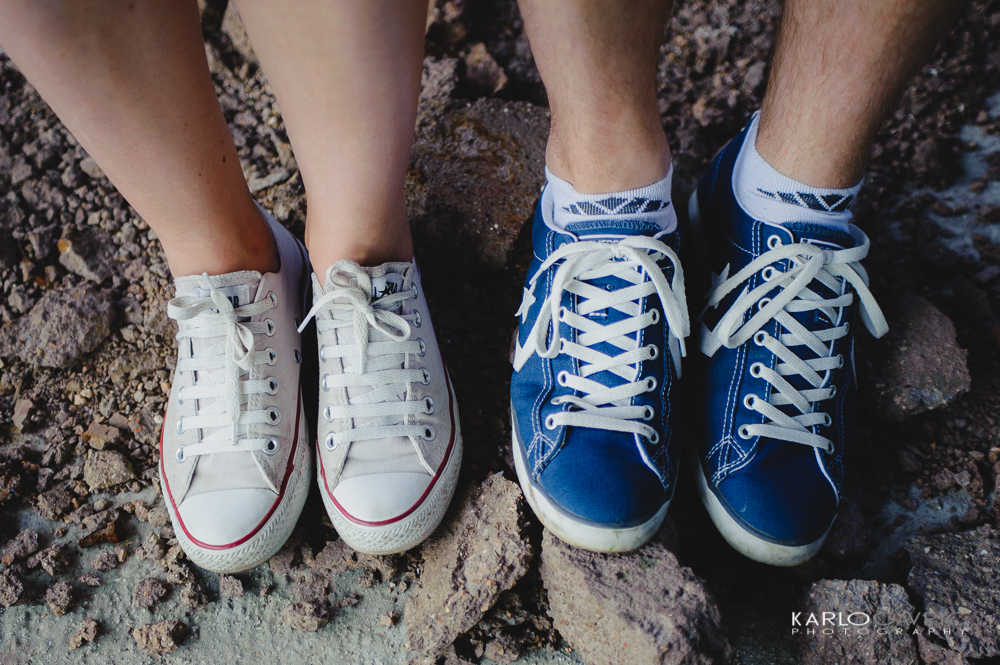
(388, 443)
(235, 462)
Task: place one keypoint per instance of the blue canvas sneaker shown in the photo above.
(778, 388)
(596, 362)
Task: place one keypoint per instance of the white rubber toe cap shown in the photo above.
(379, 497)
(225, 517)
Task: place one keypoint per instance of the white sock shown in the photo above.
(772, 197)
(650, 203)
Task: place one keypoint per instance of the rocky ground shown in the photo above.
(90, 569)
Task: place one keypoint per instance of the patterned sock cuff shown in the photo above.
(649, 203)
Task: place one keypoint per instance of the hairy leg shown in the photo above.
(839, 66)
(598, 61)
(347, 76)
(130, 79)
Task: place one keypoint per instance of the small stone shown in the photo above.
(21, 547)
(104, 561)
(63, 326)
(307, 616)
(54, 560)
(483, 72)
(90, 167)
(918, 365)
(22, 409)
(148, 593)
(11, 589)
(504, 650)
(106, 468)
(89, 579)
(98, 436)
(152, 548)
(473, 558)
(54, 503)
(158, 516)
(193, 596)
(230, 587)
(887, 603)
(159, 638)
(87, 633)
(59, 597)
(636, 607)
(957, 577)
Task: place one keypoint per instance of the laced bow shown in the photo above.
(380, 346)
(218, 369)
(841, 272)
(634, 260)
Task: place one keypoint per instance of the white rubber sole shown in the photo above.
(568, 530)
(743, 541)
(412, 530)
(268, 540)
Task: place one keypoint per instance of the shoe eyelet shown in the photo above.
(272, 386)
(416, 318)
(833, 391)
(180, 425)
(272, 446)
(328, 413)
(298, 356)
(744, 432)
(768, 273)
(562, 345)
(774, 241)
(273, 416)
(274, 303)
(427, 377)
(760, 337)
(179, 455)
(655, 439)
(329, 443)
(550, 422)
(180, 400)
(756, 369)
(827, 420)
(413, 291)
(650, 384)
(749, 401)
(840, 362)
(762, 303)
(423, 348)
(831, 449)
(270, 328)
(656, 315)
(562, 313)
(428, 434)
(847, 326)
(272, 356)
(649, 413)
(322, 352)
(562, 378)
(654, 352)
(323, 384)
(428, 405)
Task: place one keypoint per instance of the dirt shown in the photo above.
(86, 353)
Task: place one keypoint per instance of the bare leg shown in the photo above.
(347, 77)
(598, 61)
(130, 79)
(839, 65)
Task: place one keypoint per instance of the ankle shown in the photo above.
(610, 158)
(366, 247)
(825, 158)
(243, 244)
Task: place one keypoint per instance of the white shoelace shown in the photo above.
(836, 270)
(218, 371)
(381, 343)
(633, 260)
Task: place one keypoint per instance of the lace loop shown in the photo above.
(635, 261)
(840, 271)
(218, 368)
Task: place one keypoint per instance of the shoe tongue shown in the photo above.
(612, 229)
(823, 235)
(240, 287)
(387, 279)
